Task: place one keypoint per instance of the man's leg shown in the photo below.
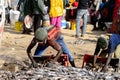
(84, 23)
(37, 21)
(78, 18)
(65, 50)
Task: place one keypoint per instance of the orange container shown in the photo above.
(63, 59)
(89, 59)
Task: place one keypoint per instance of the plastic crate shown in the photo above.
(63, 59)
(89, 59)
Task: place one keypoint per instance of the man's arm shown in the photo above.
(57, 47)
(57, 56)
(97, 50)
(32, 44)
(53, 35)
(107, 62)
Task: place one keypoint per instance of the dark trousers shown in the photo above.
(37, 21)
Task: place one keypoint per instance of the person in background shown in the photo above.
(82, 12)
(106, 14)
(108, 47)
(35, 9)
(43, 38)
(66, 4)
(74, 11)
(115, 15)
(94, 12)
(39, 12)
(20, 7)
(7, 5)
(56, 12)
(102, 18)
(73, 14)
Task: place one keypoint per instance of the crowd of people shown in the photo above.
(47, 17)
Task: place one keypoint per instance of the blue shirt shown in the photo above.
(113, 42)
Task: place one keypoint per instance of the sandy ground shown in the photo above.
(14, 43)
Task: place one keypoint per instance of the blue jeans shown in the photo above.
(40, 49)
(81, 14)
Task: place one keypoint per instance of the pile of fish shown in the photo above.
(58, 73)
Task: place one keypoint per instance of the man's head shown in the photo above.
(41, 34)
(102, 42)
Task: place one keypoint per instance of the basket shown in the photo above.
(89, 59)
(63, 59)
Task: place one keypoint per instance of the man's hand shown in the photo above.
(104, 69)
(50, 64)
(94, 66)
(34, 64)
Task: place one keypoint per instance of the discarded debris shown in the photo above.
(56, 72)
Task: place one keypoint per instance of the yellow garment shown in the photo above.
(56, 8)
